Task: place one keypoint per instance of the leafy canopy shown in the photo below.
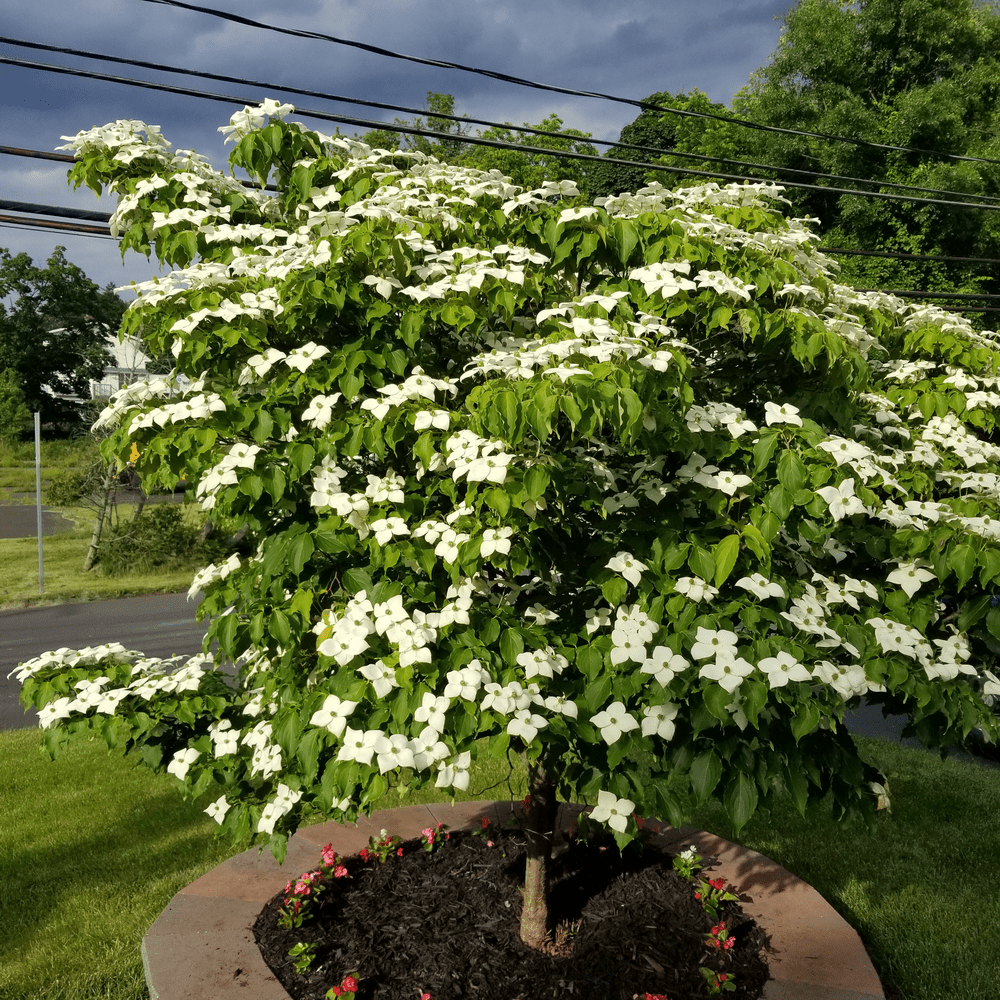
(637, 488)
(54, 325)
(910, 73)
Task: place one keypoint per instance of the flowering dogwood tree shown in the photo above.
(635, 488)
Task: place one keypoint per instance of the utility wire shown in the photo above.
(29, 208)
(465, 119)
(75, 228)
(908, 256)
(521, 82)
(479, 141)
(67, 158)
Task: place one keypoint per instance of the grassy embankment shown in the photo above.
(64, 553)
(92, 849)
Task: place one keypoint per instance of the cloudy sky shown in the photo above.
(628, 48)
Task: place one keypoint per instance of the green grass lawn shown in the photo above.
(63, 562)
(93, 848)
(17, 461)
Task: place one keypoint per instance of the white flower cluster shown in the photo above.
(476, 459)
(418, 386)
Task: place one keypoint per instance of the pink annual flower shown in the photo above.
(339, 872)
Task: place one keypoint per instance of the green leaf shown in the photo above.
(614, 590)
(252, 485)
(536, 479)
(279, 628)
(226, 633)
(972, 612)
(498, 500)
(798, 786)
(701, 562)
(706, 770)
(300, 548)
(625, 237)
(756, 543)
(511, 646)
(596, 694)
(716, 699)
(589, 661)
(993, 622)
(962, 559)
(725, 555)
(791, 471)
(779, 501)
(740, 799)
(763, 451)
(805, 720)
(355, 580)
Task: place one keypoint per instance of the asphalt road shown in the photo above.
(21, 521)
(156, 624)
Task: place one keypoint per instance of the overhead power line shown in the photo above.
(67, 158)
(465, 119)
(75, 228)
(496, 144)
(908, 256)
(29, 208)
(521, 82)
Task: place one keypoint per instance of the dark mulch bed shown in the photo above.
(447, 924)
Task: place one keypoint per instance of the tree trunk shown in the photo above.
(541, 817)
(107, 485)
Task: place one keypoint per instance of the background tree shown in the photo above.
(446, 148)
(54, 325)
(15, 417)
(663, 131)
(531, 169)
(912, 73)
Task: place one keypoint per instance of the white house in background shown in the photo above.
(129, 366)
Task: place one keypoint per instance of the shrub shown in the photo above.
(159, 539)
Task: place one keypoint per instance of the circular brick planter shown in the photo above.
(202, 948)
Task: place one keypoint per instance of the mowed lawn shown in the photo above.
(92, 849)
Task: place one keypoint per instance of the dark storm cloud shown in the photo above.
(632, 48)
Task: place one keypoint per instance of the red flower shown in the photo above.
(336, 991)
(399, 853)
(350, 984)
(486, 822)
(717, 883)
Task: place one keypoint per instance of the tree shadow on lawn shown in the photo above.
(121, 862)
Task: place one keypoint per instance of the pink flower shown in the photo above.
(340, 872)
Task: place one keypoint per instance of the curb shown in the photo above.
(201, 947)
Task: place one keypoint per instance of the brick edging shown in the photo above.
(201, 947)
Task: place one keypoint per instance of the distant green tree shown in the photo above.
(54, 325)
(529, 169)
(15, 417)
(911, 73)
(665, 131)
(447, 147)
